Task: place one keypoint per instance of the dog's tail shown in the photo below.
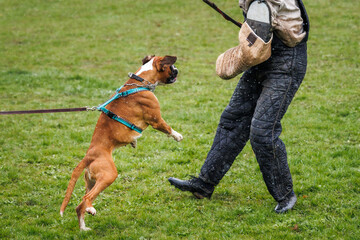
(74, 177)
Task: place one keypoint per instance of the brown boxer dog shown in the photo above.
(141, 109)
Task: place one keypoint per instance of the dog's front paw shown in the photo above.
(177, 136)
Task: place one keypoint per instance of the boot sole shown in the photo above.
(198, 195)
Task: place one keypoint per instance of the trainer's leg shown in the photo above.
(284, 71)
(231, 136)
(233, 129)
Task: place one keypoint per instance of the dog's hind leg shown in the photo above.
(106, 174)
(89, 184)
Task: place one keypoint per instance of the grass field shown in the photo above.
(59, 54)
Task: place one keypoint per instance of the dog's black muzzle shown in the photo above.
(173, 75)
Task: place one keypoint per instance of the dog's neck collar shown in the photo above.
(150, 85)
(136, 77)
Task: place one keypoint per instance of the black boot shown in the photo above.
(286, 204)
(196, 186)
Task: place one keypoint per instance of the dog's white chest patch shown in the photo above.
(146, 67)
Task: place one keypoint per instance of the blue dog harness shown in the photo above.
(119, 95)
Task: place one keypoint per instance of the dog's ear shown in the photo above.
(166, 61)
(147, 58)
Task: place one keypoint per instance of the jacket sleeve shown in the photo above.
(252, 50)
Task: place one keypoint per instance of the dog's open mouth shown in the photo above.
(173, 76)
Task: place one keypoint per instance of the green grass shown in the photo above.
(57, 54)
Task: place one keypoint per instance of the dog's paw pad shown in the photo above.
(91, 210)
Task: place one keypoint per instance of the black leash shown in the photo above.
(211, 4)
(82, 109)
(47, 111)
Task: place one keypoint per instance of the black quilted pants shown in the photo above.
(256, 108)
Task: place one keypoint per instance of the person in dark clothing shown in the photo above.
(256, 108)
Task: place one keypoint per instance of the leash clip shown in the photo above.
(91, 108)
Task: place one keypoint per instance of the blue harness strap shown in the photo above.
(116, 117)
